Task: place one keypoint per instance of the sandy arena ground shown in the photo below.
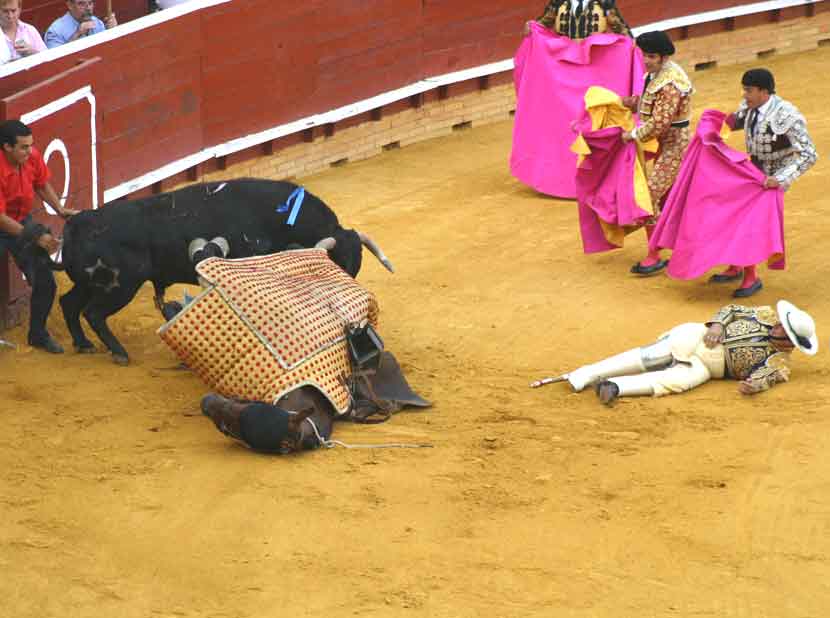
(119, 499)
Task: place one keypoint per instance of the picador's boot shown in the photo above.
(609, 391)
(621, 364)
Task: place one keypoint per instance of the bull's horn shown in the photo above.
(326, 243)
(378, 253)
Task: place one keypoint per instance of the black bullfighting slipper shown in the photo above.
(608, 392)
(745, 292)
(47, 344)
(639, 269)
(724, 278)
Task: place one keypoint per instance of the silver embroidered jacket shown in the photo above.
(748, 351)
(780, 145)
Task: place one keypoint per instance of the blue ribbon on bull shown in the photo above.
(293, 203)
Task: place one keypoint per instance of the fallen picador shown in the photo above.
(288, 343)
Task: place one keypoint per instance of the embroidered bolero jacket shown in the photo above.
(665, 102)
(748, 351)
(780, 145)
(596, 16)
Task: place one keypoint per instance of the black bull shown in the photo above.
(110, 253)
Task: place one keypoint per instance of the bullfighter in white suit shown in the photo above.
(749, 344)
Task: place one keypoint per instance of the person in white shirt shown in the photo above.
(5, 54)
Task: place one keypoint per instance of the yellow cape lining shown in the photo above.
(606, 110)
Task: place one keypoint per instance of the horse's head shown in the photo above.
(300, 420)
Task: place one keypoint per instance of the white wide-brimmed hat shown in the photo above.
(800, 327)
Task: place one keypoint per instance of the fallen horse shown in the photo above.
(288, 342)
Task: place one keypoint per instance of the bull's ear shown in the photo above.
(297, 419)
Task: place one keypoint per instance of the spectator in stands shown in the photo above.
(5, 54)
(77, 23)
(21, 39)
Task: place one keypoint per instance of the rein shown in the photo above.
(332, 443)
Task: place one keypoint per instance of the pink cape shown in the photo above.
(605, 188)
(718, 211)
(551, 75)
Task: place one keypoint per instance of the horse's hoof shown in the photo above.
(86, 348)
(121, 359)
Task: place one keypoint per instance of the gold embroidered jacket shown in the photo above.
(665, 102)
(748, 351)
(581, 20)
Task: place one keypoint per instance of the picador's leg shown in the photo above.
(679, 378)
(103, 305)
(72, 303)
(649, 358)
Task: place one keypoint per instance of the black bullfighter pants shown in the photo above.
(40, 278)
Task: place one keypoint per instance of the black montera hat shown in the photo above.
(656, 42)
(760, 78)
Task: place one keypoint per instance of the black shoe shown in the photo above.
(746, 292)
(639, 269)
(608, 392)
(46, 343)
(723, 278)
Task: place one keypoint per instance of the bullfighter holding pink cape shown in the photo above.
(611, 183)
(719, 211)
(552, 74)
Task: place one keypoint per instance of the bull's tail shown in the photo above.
(376, 251)
(69, 249)
(57, 264)
(30, 236)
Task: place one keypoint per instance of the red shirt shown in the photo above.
(17, 185)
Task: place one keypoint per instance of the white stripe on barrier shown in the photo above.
(62, 103)
(734, 11)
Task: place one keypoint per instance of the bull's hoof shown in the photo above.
(121, 359)
(85, 348)
(170, 309)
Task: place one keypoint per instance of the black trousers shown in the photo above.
(40, 278)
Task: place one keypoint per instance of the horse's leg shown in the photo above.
(103, 305)
(72, 303)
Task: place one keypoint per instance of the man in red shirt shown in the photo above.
(23, 173)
